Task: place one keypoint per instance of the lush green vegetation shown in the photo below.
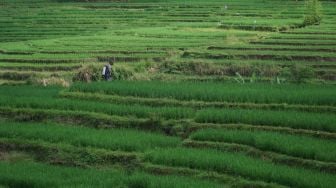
(313, 12)
(127, 140)
(253, 93)
(303, 120)
(111, 109)
(284, 143)
(240, 165)
(29, 174)
(238, 93)
(144, 145)
(58, 37)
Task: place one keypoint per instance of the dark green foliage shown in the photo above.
(299, 73)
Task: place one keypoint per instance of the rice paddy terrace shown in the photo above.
(178, 113)
(155, 134)
(163, 39)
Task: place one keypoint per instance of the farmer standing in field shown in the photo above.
(107, 72)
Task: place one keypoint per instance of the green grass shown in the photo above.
(116, 139)
(293, 145)
(241, 165)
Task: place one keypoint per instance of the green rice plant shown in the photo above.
(293, 42)
(140, 179)
(254, 93)
(88, 119)
(292, 119)
(117, 99)
(116, 139)
(27, 90)
(31, 174)
(255, 52)
(294, 145)
(65, 154)
(140, 111)
(241, 165)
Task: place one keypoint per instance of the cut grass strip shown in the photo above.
(240, 164)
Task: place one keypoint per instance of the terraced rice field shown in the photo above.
(48, 38)
(138, 133)
(200, 97)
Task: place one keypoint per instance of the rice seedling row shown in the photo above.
(254, 93)
(241, 165)
(284, 143)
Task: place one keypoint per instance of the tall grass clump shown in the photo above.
(116, 139)
(294, 145)
(293, 119)
(239, 164)
(313, 13)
